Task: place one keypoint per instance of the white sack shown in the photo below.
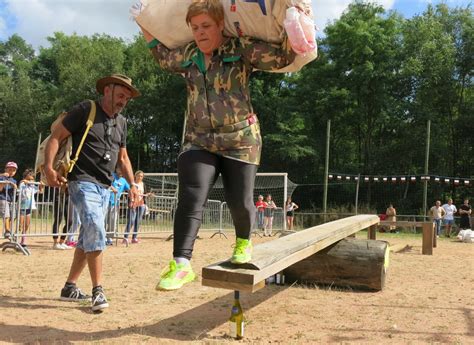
(466, 236)
(166, 21)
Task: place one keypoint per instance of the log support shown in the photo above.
(355, 263)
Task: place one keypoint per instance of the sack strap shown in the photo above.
(89, 123)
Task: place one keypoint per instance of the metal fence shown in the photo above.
(48, 212)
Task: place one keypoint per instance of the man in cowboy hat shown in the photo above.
(104, 148)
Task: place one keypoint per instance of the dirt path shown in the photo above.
(427, 299)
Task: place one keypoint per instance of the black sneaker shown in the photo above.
(99, 301)
(73, 293)
(7, 234)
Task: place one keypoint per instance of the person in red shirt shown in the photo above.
(260, 205)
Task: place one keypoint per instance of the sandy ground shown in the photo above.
(427, 299)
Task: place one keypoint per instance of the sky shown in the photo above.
(35, 20)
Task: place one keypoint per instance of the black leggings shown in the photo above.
(197, 172)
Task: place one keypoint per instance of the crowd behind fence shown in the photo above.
(54, 215)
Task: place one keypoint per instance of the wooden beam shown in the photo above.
(272, 257)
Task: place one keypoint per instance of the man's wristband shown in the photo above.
(135, 184)
(153, 43)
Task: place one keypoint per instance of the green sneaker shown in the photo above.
(242, 251)
(175, 276)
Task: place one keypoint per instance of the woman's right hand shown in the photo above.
(135, 10)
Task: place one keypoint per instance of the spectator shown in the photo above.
(60, 212)
(74, 226)
(270, 207)
(260, 205)
(7, 196)
(437, 214)
(135, 213)
(103, 149)
(391, 214)
(291, 207)
(27, 191)
(465, 213)
(449, 217)
(119, 185)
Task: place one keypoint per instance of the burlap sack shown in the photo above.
(263, 19)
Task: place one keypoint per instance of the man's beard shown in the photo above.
(117, 107)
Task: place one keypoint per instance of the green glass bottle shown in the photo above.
(236, 320)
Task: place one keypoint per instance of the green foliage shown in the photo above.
(379, 78)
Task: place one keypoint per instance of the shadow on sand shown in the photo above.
(193, 324)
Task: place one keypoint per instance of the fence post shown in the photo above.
(427, 244)
(427, 157)
(357, 196)
(326, 170)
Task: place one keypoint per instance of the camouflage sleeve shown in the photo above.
(170, 59)
(267, 56)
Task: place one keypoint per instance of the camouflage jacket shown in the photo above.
(220, 117)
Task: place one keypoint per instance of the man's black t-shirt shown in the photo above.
(465, 217)
(99, 154)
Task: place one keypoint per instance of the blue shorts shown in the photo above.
(25, 211)
(448, 221)
(91, 201)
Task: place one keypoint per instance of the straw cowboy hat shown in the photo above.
(119, 79)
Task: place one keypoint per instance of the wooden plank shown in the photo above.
(272, 257)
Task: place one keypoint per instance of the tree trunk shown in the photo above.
(356, 263)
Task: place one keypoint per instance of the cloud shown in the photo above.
(3, 27)
(34, 20)
(328, 10)
(38, 19)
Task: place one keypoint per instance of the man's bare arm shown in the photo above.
(127, 171)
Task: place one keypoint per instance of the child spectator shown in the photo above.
(7, 194)
(260, 205)
(135, 214)
(28, 189)
(290, 212)
(119, 185)
(270, 207)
